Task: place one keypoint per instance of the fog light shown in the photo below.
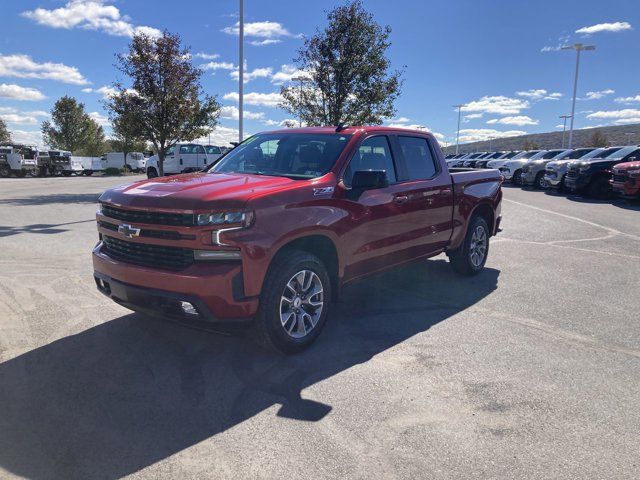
(188, 308)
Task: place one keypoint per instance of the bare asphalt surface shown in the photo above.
(529, 370)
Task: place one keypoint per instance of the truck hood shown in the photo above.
(195, 191)
(628, 166)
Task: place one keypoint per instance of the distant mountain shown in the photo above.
(618, 135)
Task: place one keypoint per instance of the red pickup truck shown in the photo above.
(277, 226)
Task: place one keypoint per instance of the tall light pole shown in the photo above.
(241, 73)
(459, 107)
(300, 79)
(564, 126)
(578, 47)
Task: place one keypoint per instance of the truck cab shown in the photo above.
(19, 160)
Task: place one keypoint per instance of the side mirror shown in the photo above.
(369, 179)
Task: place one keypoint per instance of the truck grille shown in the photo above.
(140, 216)
(156, 256)
(572, 173)
(620, 178)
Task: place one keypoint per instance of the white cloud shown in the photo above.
(89, 15)
(287, 73)
(483, 134)
(100, 119)
(519, 120)
(252, 75)
(539, 94)
(23, 66)
(222, 136)
(404, 122)
(232, 113)
(218, 66)
(27, 137)
(266, 33)
(626, 121)
(206, 56)
(15, 116)
(472, 116)
(598, 94)
(616, 114)
(16, 92)
(605, 27)
(106, 91)
(634, 99)
(499, 105)
(562, 41)
(255, 98)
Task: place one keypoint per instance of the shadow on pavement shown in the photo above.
(44, 228)
(55, 198)
(132, 391)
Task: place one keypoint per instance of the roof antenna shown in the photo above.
(341, 126)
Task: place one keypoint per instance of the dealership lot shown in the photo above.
(530, 369)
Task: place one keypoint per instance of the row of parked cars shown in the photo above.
(594, 172)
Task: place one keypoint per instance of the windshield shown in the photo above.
(528, 154)
(213, 150)
(623, 152)
(550, 154)
(577, 153)
(298, 155)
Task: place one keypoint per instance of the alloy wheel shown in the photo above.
(478, 246)
(301, 304)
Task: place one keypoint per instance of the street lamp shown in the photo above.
(300, 79)
(564, 126)
(459, 107)
(578, 47)
(241, 72)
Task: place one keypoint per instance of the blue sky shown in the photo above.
(500, 57)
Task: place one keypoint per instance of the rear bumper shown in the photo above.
(215, 289)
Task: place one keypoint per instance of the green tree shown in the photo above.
(165, 97)
(5, 135)
(598, 139)
(128, 135)
(349, 77)
(71, 128)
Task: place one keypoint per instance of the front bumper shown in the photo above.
(216, 290)
(630, 188)
(506, 173)
(552, 179)
(578, 182)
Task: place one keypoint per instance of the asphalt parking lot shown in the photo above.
(529, 370)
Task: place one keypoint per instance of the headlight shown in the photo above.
(243, 219)
(584, 168)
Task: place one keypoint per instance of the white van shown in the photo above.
(184, 158)
(135, 161)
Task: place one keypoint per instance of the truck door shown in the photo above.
(187, 158)
(378, 219)
(428, 191)
(202, 157)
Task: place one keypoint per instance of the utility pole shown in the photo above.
(459, 107)
(564, 126)
(578, 47)
(241, 72)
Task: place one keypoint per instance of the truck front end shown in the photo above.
(626, 179)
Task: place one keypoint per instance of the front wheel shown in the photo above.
(294, 302)
(470, 257)
(152, 172)
(517, 177)
(540, 183)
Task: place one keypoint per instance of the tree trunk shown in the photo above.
(161, 154)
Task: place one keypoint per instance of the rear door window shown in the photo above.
(418, 158)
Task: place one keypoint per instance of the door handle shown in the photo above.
(400, 198)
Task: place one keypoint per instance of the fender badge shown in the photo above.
(323, 191)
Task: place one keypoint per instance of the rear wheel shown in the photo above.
(66, 173)
(294, 302)
(470, 257)
(21, 173)
(33, 172)
(88, 173)
(152, 172)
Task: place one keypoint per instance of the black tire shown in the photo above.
(88, 173)
(127, 168)
(562, 188)
(152, 172)
(33, 172)
(599, 188)
(539, 183)
(516, 179)
(5, 171)
(461, 259)
(21, 173)
(66, 173)
(271, 331)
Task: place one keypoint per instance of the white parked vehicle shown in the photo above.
(135, 161)
(184, 158)
(89, 164)
(19, 160)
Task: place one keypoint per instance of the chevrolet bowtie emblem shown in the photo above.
(128, 231)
